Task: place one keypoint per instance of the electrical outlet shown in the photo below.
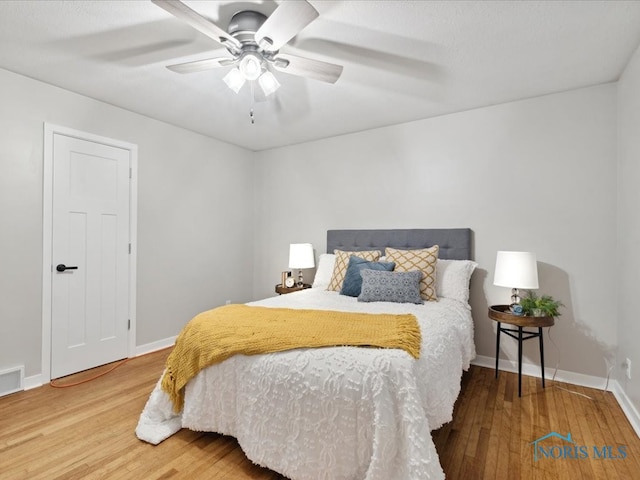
(627, 366)
(227, 302)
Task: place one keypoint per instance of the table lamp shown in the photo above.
(301, 256)
(516, 270)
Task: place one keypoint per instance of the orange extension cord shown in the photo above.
(90, 379)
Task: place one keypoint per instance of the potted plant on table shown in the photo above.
(543, 306)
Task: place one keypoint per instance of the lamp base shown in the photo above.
(515, 296)
(300, 282)
(515, 306)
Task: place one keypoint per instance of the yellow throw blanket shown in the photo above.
(215, 335)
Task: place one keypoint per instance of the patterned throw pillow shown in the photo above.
(353, 280)
(342, 262)
(398, 287)
(425, 260)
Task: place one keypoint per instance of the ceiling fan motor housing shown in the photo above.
(244, 25)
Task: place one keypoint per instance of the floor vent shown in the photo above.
(11, 380)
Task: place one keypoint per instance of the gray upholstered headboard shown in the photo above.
(454, 243)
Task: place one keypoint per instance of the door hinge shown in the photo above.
(129, 324)
(129, 249)
(130, 172)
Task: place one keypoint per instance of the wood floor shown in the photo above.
(492, 431)
(87, 432)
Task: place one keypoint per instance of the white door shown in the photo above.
(90, 254)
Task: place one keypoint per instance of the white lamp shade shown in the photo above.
(250, 66)
(516, 270)
(269, 83)
(301, 255)
(234, 79)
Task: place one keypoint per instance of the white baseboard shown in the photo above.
(627, 406)
(33, 381)
(533, 370)
(155, 346)
(36, 381)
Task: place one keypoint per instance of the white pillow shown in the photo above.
(453, 277)
(326, 261)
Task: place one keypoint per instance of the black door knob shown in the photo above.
(62, 267)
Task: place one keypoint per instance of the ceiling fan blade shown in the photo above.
(202, 65)
(197, 21)
(284, 24)
(306, 67)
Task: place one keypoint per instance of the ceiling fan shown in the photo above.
(253, 40)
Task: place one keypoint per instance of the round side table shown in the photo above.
(501, 314)
(282, 290)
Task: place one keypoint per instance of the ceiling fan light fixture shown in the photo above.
(269, 83)
(234, 79)
(250, 66)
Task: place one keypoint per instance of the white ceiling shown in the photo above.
(403, 60)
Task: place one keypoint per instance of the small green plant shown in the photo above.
(544, 306)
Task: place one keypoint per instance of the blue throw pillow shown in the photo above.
(353, 279)
(399, 287)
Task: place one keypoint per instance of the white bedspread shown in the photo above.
(332, 413)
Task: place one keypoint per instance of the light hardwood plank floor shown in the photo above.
(87, 432)
(493, 430)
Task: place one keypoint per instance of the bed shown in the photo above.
(341, 412)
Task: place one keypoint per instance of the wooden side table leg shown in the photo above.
(497, 348)
(519, 361)
(541, 354)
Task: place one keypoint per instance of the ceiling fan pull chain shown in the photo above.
(252, 99)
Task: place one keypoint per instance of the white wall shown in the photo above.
(536, 175)
(628, 280)
(195, 222)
